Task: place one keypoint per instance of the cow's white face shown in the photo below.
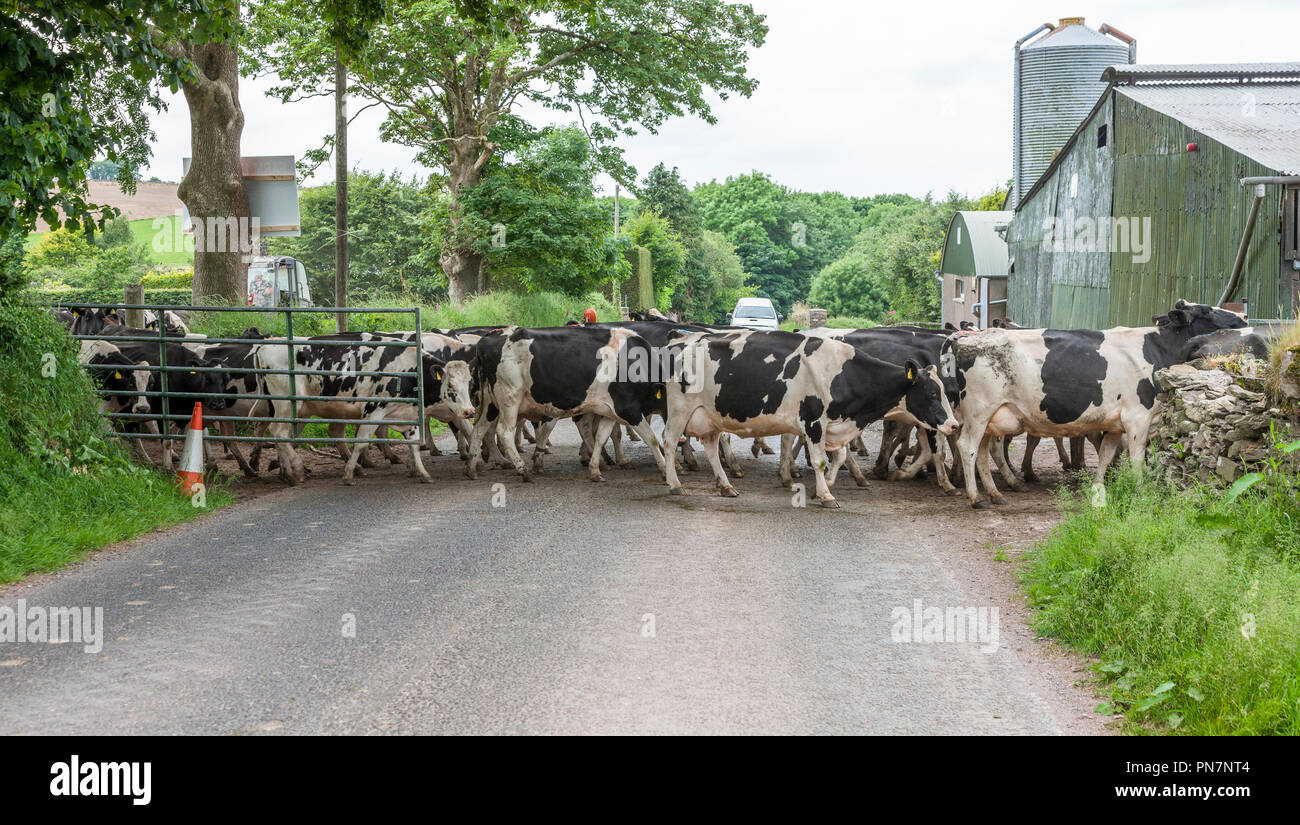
(456, 392)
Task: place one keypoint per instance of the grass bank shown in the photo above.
(64, 488)
(1190, 600)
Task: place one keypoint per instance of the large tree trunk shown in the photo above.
(462, 265)
(213, 189)
(340, 189)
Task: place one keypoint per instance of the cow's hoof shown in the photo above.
(728, 492)
(738, 473)
(951, 492)
(1020, 487)
(471, 474)
(998, 499)
(796, 474)
(348, 482)
(830, 503)
(1031, 478)
(677, 491)
(598, 479)
(980, 505)
(426, 480)
(527, 477)
(862, 482)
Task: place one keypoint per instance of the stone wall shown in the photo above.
(1214, 426)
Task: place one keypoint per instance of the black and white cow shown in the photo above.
(447, 383)
(187, 372)
(1067, 383)
(560, 372)
(772, 383)
(1255, 341)
(121, 387)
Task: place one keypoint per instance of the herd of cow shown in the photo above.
(968, 391)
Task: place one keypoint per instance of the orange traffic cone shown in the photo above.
(190, 474)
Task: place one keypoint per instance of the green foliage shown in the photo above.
(849, 287)
(117, 232)
(713, 281)
(1190, 599)
(180, 279)
(61, 249)
(104, 170)
(13, 277)
(79, 77)
(392, 248)
(536, 221)
(64, 488)
(667, 253)
(666, 193)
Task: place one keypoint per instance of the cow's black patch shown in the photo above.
(1147, 393)
(1072, 373)
(752, 382)
(564, 363)
(811, 346)
(810, 413)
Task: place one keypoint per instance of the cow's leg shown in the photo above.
(712, 443)
(1137, 435)
(541, 442)
(291, 466)
(1106, 454)
(729, 456)
(937, 458)
(1076, 453)
(968, 445)
(414, 464)
(616, 438)
(688, 454)
(836, 460)
(672, 434)
(854, 470)
(985, 473)
(1027, 463)
(385, 431)
(893, 431)
(646, 435)
(999, 455)
(817, 457)
(916, 465)
(603, 428)
(364, 433)
(786, 463)
(476, 439)
(860, 447)
(228, 428)
(796, 447)
(507, 430)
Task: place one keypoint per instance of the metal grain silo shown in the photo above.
(1057, 82)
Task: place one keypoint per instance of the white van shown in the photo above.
(755, 313)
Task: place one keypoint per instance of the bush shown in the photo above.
(61, 249)
(64, 488)
(176, 279)
(1190, 599)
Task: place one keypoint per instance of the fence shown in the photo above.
(294, 397)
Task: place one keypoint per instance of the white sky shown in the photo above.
(858, 97)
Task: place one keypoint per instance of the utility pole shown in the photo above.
(340, 188)
(618, 292)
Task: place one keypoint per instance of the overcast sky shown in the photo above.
(858, 97)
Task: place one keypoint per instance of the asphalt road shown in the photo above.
(573, 608)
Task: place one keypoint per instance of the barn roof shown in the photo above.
(1260, 121)
(988, 248)
(1252, 108)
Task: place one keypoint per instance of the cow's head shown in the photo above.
(121, 386)
(926, 399)
(192, 378)
(451, 383)
(1199, 319)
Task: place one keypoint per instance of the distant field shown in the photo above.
(143, 231)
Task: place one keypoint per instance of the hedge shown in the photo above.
(67, 297)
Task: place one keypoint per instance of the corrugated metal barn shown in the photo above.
(1145, 203)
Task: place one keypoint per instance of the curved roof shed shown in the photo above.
(973, 248)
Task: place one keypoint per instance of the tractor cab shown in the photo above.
(278, 280)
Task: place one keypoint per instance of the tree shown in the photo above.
(449, 73)
(849, 287)
(535, 220)
(79, 77)
(393, 245)
(104, 170)
(667, 254)
(665, 192)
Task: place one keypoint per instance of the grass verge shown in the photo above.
(1190, 599)
(64, 488)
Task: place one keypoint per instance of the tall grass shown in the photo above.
(545, 309)
(1190, 599)
(64, 488)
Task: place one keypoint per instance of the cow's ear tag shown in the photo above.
(118, 376)
(659, 393)
(437, 375)
(192, 372)
(910, 375)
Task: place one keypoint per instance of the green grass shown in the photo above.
(64, 488)
(1190, 601)
(142, 231)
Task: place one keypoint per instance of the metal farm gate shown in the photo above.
(163, 369)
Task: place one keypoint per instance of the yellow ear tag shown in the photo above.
(192, 372)
(659, 393)
(437, 376)
(118, 376)
(909, 373)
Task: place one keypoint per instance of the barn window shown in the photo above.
(1074, 185)
(1101, 135)
(959, 290)
(959, 236)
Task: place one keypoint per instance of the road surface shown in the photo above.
(395, 607)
